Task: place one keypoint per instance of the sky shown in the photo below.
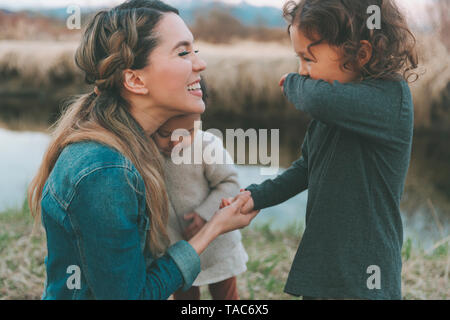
(414, 8)
(61, 3)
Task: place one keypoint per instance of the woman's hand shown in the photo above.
(195, 226)
(232, 216)
(247, 208)
(224, 220)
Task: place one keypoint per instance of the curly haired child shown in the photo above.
(353, 82)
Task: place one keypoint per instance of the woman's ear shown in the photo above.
(133, 82)
(365, 53)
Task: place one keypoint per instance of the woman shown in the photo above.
(100, 190)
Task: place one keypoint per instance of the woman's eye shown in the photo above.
(185, 53)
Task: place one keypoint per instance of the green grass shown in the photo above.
(271, 252)
(22, 269)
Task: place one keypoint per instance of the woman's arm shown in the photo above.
(104, 213)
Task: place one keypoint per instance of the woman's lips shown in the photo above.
(197, 93)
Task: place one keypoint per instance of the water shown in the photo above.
(289, 212)
(22, 152)
(21, 155)
(419, 226)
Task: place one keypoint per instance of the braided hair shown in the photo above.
(114, 40)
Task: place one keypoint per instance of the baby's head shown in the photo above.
(163, 136)
(334, 42)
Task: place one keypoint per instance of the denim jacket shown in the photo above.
(94, 215)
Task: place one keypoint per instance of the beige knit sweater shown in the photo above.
(200, 188)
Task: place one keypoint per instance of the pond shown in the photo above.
(22, 154)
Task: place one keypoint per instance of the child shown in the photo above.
(194, 193)
(356, 152)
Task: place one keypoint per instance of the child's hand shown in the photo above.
(225, 202)
(246, 208)
(231, 217)
(281, 83)
(195, 226)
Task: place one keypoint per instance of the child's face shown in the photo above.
(163, 136)
(325, 64)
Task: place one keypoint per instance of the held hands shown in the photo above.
(237, 211)
(247, 207)
(226, 219)
(231, 216)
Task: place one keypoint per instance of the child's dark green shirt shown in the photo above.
(354, 162)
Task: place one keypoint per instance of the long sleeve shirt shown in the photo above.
(354, 162)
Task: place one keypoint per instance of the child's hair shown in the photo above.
(343, 24)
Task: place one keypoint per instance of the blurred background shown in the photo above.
(247, 49)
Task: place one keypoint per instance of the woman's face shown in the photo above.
(172, 76)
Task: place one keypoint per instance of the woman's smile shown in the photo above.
(195, 89)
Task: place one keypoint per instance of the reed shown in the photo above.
(242, 78)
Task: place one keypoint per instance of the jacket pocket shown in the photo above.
(51, 208)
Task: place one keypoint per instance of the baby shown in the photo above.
(195, 191)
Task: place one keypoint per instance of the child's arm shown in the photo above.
(286, 185)
(370, 108)
(223, 183)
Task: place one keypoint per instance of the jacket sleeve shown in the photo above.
(286, 185)
(370, 108)
(104, 212)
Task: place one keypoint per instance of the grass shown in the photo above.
(271, 252)
(22, 270)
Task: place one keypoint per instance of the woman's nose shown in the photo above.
(198, 64)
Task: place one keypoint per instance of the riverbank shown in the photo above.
(22, 270)
(37, 77)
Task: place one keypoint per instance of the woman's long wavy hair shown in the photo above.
(343, 24)
(114, 40)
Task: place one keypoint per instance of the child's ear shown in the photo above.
(365, 53)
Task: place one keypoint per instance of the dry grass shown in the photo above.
(22, 271)
(431, 92)
(425, 275)
(24, 26)
(219, 26)
(242, 78)
(38, 63)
